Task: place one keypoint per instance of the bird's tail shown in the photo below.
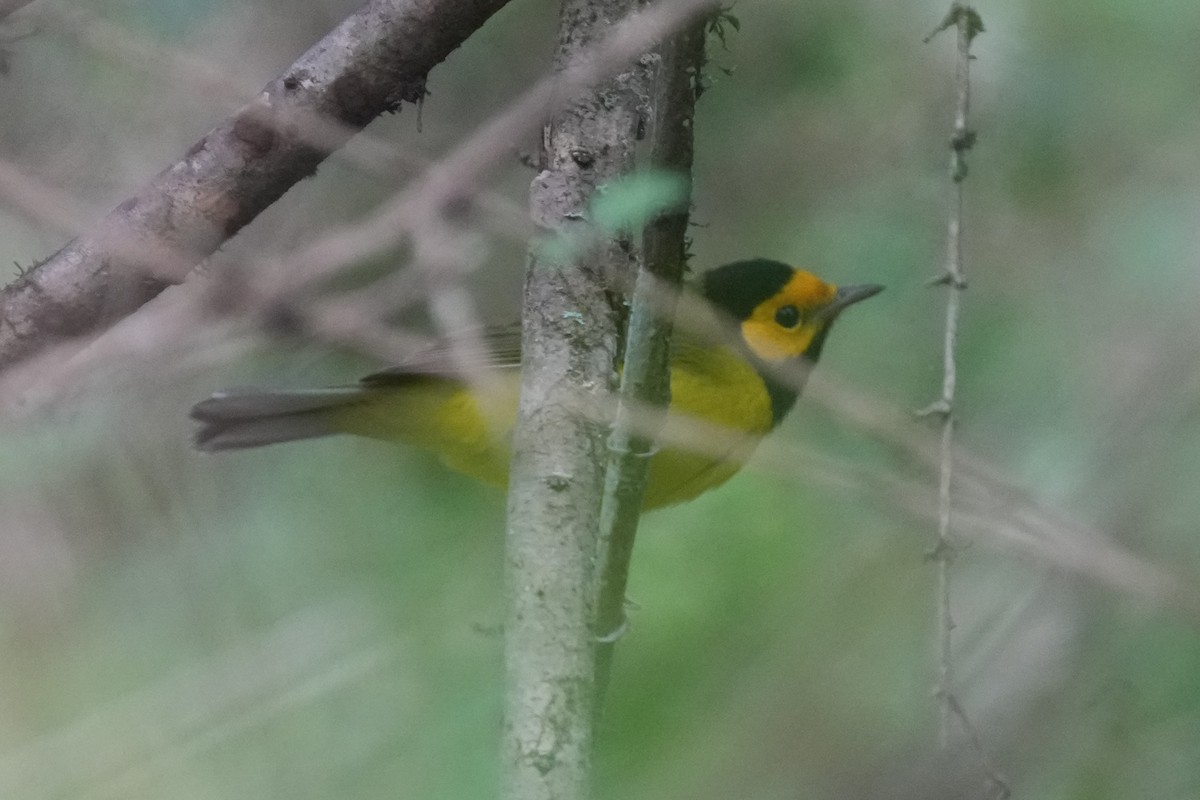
(251, 418)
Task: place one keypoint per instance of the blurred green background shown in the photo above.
(321, 620)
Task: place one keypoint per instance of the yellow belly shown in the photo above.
(708, 388)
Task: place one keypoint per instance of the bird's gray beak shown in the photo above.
(847, 296)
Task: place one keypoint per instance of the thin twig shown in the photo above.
(968, 25)
(644, 378)
(1000, 787)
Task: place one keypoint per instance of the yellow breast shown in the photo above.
(720, 409)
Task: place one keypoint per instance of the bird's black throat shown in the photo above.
(785, 382)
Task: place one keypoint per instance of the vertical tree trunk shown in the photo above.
(569, 350)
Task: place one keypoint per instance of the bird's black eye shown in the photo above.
(788, 316)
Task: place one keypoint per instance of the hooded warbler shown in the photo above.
(780, 318)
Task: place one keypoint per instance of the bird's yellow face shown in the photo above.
(783, 326)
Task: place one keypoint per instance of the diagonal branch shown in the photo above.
(375, 60)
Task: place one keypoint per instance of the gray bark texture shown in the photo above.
(645, 379)
(569, 351)
(375, 60)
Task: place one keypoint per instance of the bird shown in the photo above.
(778, 317)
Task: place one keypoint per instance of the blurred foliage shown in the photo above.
(630, 202)
(321, 620)
(622, 208)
